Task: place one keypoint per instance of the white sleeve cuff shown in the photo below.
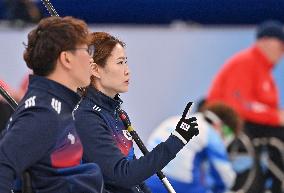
(175, 133)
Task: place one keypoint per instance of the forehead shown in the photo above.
(118, 51)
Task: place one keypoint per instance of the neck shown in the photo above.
(108, 93)
(64, 79)
(268, 50)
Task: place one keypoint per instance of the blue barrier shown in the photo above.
(167, 11)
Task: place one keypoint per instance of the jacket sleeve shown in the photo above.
(100, 147)
(26, 142)
(239, 88)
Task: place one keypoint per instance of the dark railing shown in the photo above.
(167, 11)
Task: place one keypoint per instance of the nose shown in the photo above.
(127, 70)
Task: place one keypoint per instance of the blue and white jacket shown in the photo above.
(41, 138)
(201, 167)
(107, 142)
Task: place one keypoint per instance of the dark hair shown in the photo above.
(270, 28)
(52, 36)
(200, 104)
(224, 112)
(104, 44)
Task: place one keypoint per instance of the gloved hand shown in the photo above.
(187, 126)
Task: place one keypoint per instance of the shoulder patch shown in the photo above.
(30, 102)
(56, 105)
(96, 108)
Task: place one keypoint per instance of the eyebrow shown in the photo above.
(123, 58)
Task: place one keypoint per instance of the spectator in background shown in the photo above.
(5, 109)
(23, 87)
(245, 83)
(8, 89)
(200, 104)
(203, 165)
(25, 11)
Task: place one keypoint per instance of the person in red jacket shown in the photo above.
(17, 94)
(5, 109)
(246, 83)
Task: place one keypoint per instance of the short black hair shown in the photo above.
(270, 28)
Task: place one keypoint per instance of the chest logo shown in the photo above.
(30, 102)
(71, 137)
(127, 135)
(56, 105)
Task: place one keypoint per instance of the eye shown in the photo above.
(120, 62)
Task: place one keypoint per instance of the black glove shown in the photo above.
(187, 126)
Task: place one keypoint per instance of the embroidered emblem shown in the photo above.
(127, 135)
(56, 105)
(30, 102)
(96, 108)
(71, 137)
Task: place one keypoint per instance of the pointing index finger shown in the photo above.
(187, 110)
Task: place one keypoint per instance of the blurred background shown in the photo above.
(174, 47)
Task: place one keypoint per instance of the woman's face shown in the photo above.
(114, 77)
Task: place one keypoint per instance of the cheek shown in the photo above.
(116, 73)
(83, 62)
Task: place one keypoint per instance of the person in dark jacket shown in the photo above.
(40, 137)
(105, 140)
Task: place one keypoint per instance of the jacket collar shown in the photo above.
(54, 88)
(104, 101)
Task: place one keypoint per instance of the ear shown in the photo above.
(96, 70)
(65, 59)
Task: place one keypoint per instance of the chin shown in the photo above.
(123, 90)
